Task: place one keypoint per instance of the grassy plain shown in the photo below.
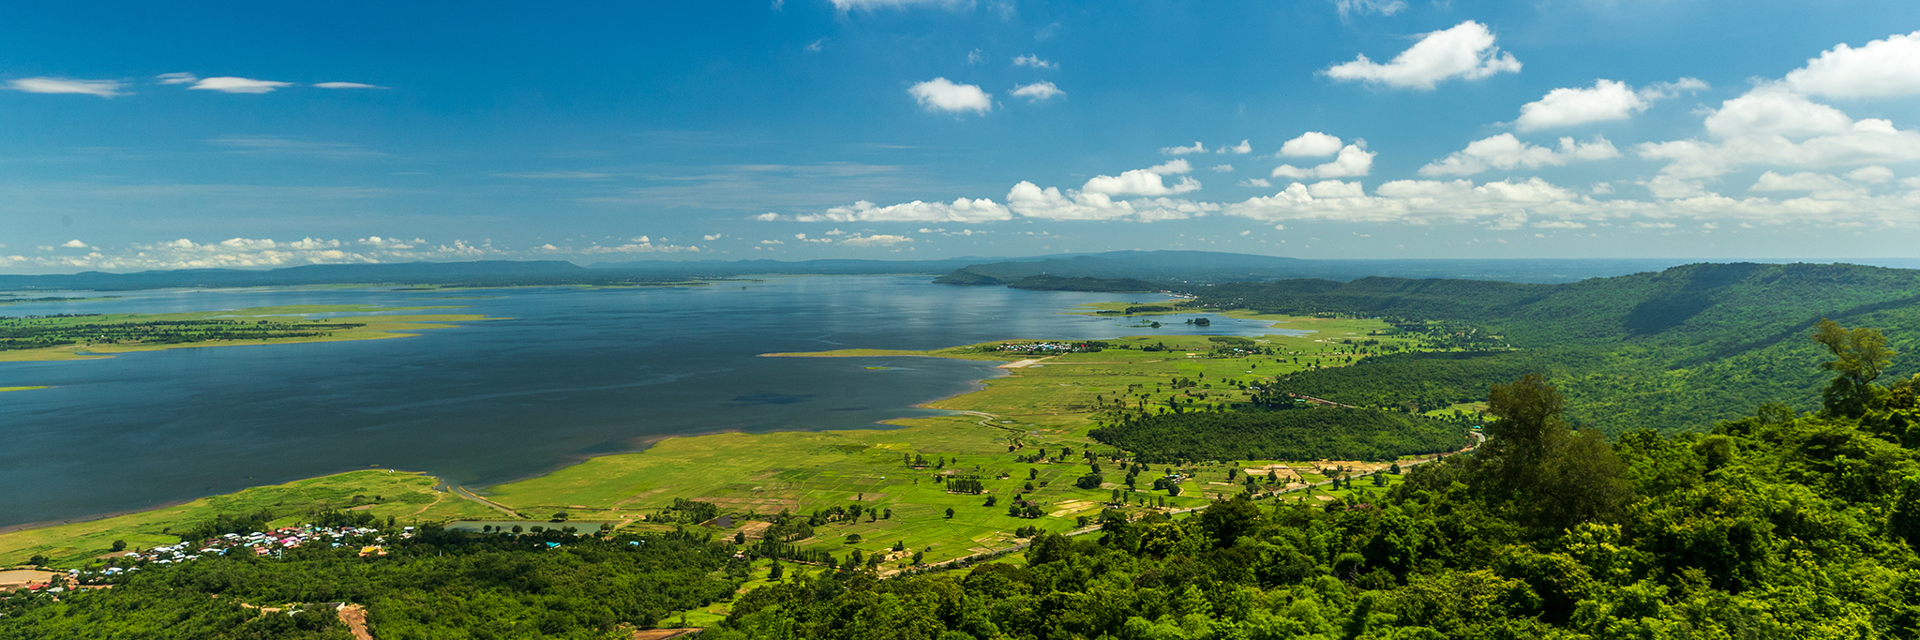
(406, 496)
(1044, 403)
(5, 389)
(296, 316)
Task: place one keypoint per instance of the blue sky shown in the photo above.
(254, 134)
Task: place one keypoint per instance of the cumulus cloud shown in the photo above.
(1221, 168)
(1255, 182)
(1144, 182)
(1774, 126)
(876, 240)
(640, 244)
(961, 210)
(1311, 144)
(1871, 175)
(1464, 51)
(1507, 152)
(1882, 68)
(1802, 181)
(1606, 100)
(713, 237)
(1181, 151)
(102, 88)
(941, 94)
(1038, 91)
(229, 84)
(1239, 149)
(184, 253)
(1353, 161)
(75, 244)
(1034, 61)
(346, 85)
(1513, 203)
(1028, 199)
(176, 78)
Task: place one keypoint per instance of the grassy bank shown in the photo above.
(405, 496)
(189, 330)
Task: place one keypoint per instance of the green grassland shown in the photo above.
(292, 319)
(1047, 404)
(6, 389)
(405, 496)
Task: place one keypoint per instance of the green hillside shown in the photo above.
(1675, 349)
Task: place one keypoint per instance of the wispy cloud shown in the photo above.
(1034, 61)
(287, 147)
(176, 78)
(229, 84)
(556, 175)
(1038, 91)
(102, 88)
(346, 85)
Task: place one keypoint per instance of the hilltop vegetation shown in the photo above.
(1295, 434)
(1677, 349)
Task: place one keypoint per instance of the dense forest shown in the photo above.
(1674, 350)
(440, 585)
(1773, 525)
(1298, 434)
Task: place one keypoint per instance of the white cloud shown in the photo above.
(641, 244)
(1382, 7)
(346, 85)
(1354, 161)
(876, 240)
(555, 175)
(1671, 188)
(1464, 51)
(713, 237)
(1802, 181)
(1028, 199)
(847, 5)
(767, 217)
(1311, 144)
(1606, 100)
(176, 78)
(1882, 68)
(1239, 149)
(1771, 125)
(1038, 91)
(961, 210)
(1255, 182)
(228, 84)
(1871, 175)
(770, 242)
(184, 253)
(1034, 61)
(940, 94)
(1144, 182)
(817, 45)
(1181, 151)
(1221, 168)
(75, 244)
(102, 88)
(1507, 152)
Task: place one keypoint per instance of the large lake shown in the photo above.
(563, 374)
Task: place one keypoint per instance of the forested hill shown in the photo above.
(1673, 349)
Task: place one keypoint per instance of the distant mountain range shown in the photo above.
(1131, 270)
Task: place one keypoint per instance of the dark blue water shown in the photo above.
(564, 374)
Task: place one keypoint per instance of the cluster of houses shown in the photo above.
(1048, 347)
(259, 543)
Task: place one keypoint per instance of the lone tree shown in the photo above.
(1859, 357)
(1551, 474)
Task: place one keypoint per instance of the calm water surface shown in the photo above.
(564, 373)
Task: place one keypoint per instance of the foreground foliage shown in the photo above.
(443, 585)
(1770, 526)
(1294, 434)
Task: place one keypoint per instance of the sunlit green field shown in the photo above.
(405, 496)
(375, 327)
